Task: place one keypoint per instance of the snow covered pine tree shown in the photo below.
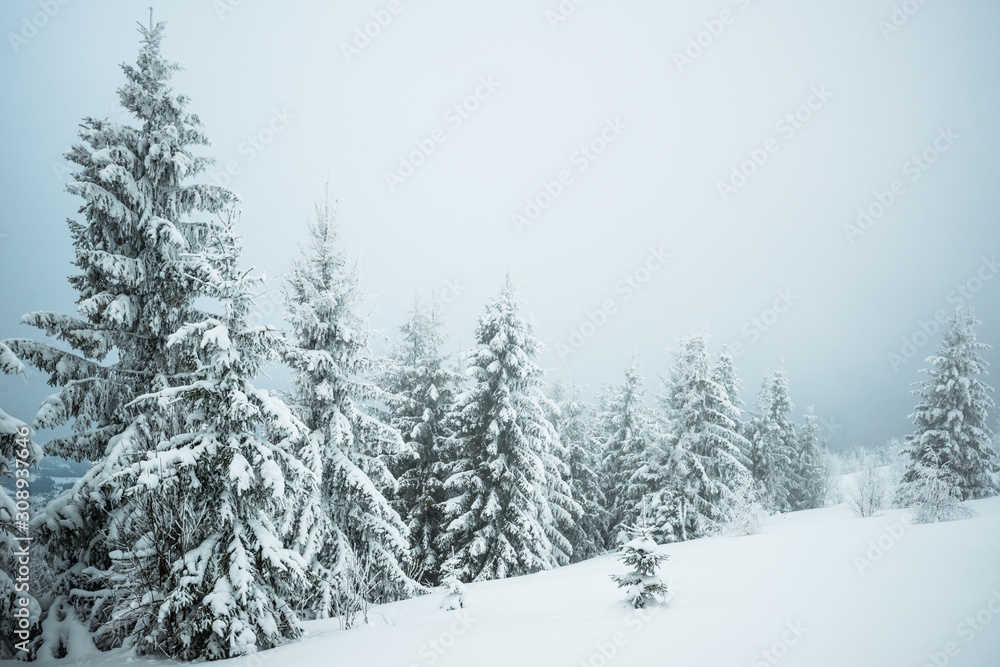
(951, 430)
(229, 580)
(498, 512)
(456, 594)
(584, 458)
(136, 288)
(355, 544)
(566, 510)
(423, 390)
(746, 511)
(625, 429)
(810, 466)
(706, 447)
(772, 443)
(642, 585)
(724, 375)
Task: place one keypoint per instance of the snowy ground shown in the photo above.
(817, 588)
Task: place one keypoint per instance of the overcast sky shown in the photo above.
(694, 165)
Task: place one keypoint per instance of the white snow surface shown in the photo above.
(820, 588)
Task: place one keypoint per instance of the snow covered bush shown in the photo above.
(746, 513)
(834, 466)
(934, 495)
(455, 593)
(868, 492)
(353, 594)
(642, 584)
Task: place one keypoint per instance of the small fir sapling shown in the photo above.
(642, 584)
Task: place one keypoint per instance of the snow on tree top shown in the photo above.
(642, 544)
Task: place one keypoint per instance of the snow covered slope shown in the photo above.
(817, 588)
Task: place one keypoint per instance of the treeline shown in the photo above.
(513, 476)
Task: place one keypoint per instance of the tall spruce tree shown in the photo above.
(704, 441)
(951, 430)
(583, 453)
(625, 430)
(724, 374)
(809, 465)
(566, 510)
(211, 577)
(499, 519)
(423, 389)
(355, 543)
(773, 443)
(139, 274)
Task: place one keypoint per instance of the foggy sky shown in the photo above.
(620, 142)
